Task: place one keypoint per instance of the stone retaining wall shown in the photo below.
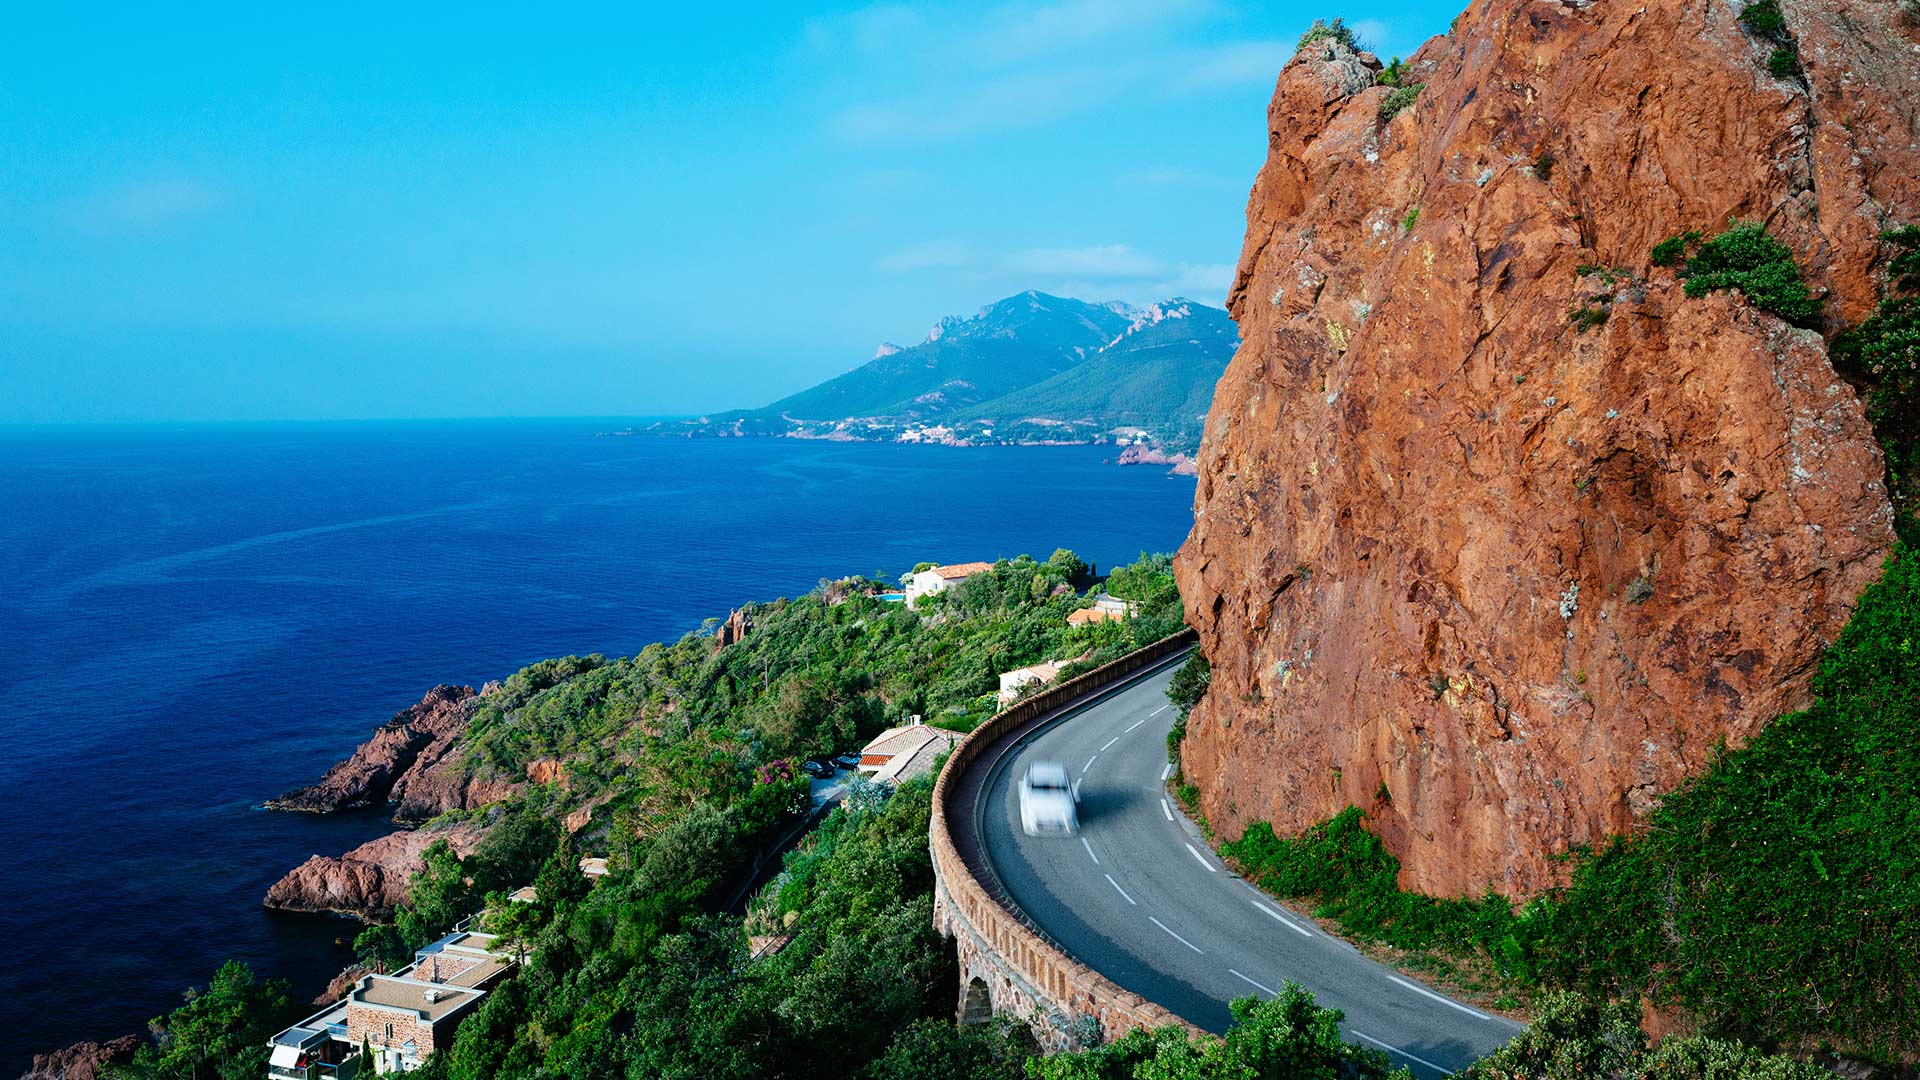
(1005, 965)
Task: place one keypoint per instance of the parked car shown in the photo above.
(1047, 802)
(848, 762)
(817, 768)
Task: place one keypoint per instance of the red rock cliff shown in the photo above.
(1498, 582)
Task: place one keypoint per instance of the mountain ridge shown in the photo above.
(1057, 369)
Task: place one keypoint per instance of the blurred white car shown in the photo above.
(1047, 800)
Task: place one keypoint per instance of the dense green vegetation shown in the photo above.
(1284, 1038)
(221, 1031)
(1748, 258)
(684, 758)
(1351, 878)
(1575, 1038)
(1776, 897)
(610, 989)
(1882, 354)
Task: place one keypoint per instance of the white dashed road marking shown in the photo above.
(1118, 889)
(1211, 869)
(1110, 743)
(1175, 937)
(1449, 1002)
(1167, 773)
(1394, 1049)
(1136, 724)
(1164, 809)
(1089, 764)
(1279, 918)
(1090, 854)
(1253, 983)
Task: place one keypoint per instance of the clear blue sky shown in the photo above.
(398, 210)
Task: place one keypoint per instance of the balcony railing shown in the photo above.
(319, 1070)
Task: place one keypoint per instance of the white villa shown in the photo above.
(942, 578)
(1012, 682)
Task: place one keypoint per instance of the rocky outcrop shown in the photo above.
(1143, 454)
(340, 984)
(387, 760)
(1498, 576)
(83, 1061)
(734, 630)
(370, 881)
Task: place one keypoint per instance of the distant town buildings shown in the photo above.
(942, 578)
(902, 753)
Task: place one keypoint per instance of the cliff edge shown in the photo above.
(1498, 533)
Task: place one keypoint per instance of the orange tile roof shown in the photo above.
(960, 570)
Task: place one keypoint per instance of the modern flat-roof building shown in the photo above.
(401, 1017)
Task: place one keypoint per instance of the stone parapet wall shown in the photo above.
(1001, 955)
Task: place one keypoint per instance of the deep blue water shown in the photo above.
(193, 619)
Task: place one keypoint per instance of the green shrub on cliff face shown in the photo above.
(1674, 248)
(1396, 102)
(1322, 30)
(1883, 353)
(1748, 258)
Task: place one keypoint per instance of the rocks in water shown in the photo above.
(370, 881)
(83, 1060)
(1143, 454)
(385, 762)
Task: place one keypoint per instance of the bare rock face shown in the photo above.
(83, 1061)
(370, 881)
(342, 983)
(1498, 581)
(388, 760)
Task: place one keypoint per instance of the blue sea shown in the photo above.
(196, 618)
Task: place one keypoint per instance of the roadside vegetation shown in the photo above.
(1775, 898)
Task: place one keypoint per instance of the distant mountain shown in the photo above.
(1157, 375)
(964, 361)
(1032, 368)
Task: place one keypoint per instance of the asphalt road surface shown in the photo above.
(1137, 896)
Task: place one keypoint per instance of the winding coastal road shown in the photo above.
(1137, 895)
